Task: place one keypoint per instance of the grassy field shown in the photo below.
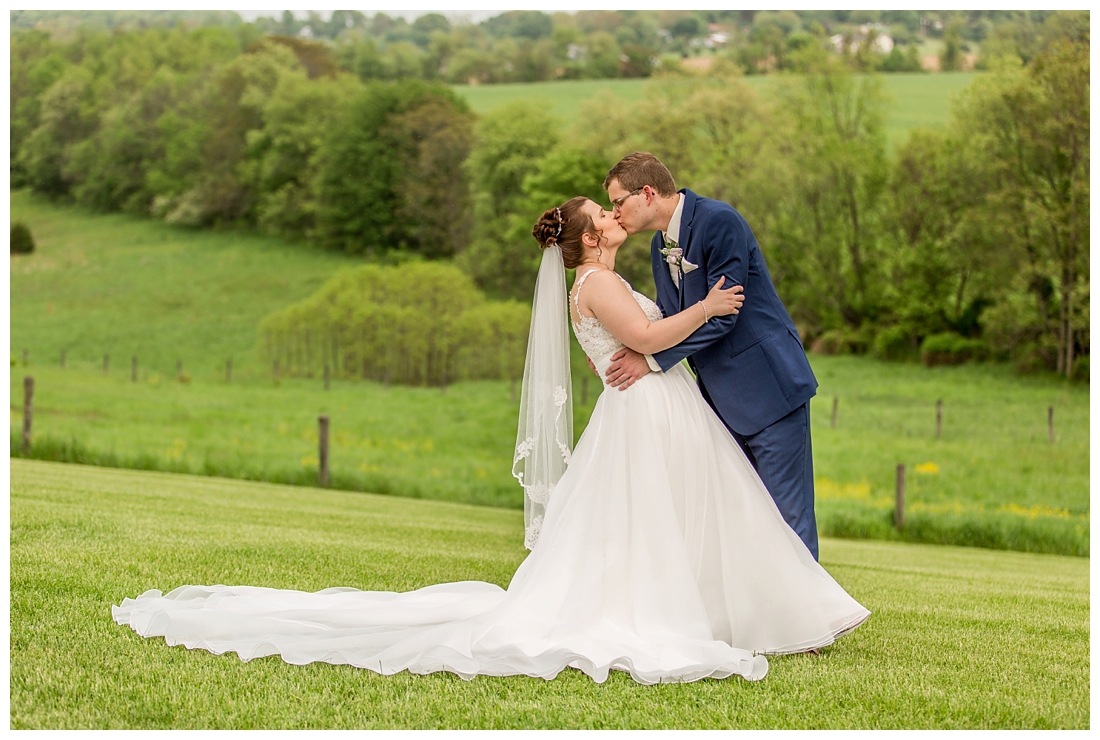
(959, 638)
(123, 286)
(916, 100)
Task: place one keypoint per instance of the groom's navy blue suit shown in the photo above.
(750, 366)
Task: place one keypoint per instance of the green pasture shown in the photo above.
(127, 287)
(124, 286)
(958, 638)
(915, 99)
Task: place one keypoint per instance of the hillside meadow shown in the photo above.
(959, 638)
(915, 99)
(127, 287)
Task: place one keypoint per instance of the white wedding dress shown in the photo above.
(660, 554)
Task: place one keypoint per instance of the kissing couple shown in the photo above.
(676, 542)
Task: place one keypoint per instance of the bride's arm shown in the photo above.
(606, 297)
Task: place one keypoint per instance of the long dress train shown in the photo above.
(660, 554)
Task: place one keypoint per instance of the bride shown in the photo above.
(655, 548)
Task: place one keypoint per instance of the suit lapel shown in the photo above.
(686, 217)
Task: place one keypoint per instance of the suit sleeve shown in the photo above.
(725, 241)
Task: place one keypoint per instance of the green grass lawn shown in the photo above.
(125, 286)
(959, 637)
(915, 99)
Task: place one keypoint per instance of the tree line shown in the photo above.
(532, 46)
(967, 241)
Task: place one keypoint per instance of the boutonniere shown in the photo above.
(674, 256)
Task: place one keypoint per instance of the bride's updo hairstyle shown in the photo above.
(564, 226)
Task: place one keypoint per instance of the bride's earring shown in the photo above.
(599, 254)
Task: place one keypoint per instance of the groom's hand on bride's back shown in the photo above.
(627, 368)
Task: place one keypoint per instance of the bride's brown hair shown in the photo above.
(564, 226)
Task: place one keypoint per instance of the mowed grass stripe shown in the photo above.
(959, 638)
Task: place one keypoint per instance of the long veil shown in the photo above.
(544, 441)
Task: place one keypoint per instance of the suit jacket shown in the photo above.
(752, 363)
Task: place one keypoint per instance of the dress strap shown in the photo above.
(580, 282)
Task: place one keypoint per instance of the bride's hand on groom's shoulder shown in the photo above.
(723, 302)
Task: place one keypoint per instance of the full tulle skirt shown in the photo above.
(661, 554)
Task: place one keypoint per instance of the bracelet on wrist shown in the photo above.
(706, 315)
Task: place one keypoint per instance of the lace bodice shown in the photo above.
(595, 340)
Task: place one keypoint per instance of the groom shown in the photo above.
(750, 366)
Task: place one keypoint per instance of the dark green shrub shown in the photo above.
(21, 240)
(897, 343)
(1035, 357)
(842, 342)
(1081, 368)
(948, 348)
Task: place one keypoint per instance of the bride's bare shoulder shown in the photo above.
(601, 278)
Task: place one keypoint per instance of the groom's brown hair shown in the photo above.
(639, 169)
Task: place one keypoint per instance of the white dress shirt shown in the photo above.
(673, 233)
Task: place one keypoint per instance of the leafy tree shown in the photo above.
(283, 154)
(899, 61)
(687, 27)
(205, 176)
(510, 143)
(315, 57)
(434, 191)
(373, 149)
(822, 177)
(947, 263)
(529, 24)
(951, 56)
(66, 116)
(1031, 128)
(36, 64)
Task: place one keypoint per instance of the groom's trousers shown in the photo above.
(783, 458)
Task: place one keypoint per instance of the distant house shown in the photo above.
(717, 36)
(880, 40)
(716, 39)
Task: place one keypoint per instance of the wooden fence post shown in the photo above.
(275, 369)
(229, 370)
(133, 369)
(1050, 424)
(899, 498)
(322, 437)
(28, 413)
(939, 417)
(832, 423)
(328, 375)
(62, 359)
(179, 371)
(24, 358)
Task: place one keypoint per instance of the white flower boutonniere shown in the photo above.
(674, 256)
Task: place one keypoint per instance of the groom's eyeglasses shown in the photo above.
(618, 202)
